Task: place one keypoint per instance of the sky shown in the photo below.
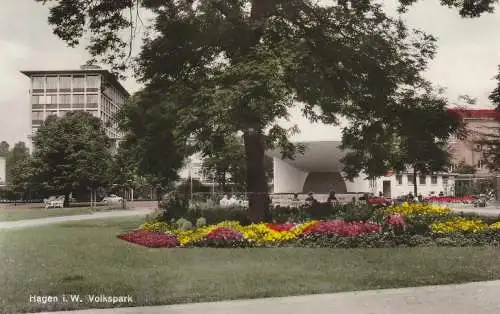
(466, 62)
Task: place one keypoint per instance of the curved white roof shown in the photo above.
(321, 156)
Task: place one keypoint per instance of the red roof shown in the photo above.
(477, 113)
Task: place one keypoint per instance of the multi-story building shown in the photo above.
(480, 123)
(91, 89)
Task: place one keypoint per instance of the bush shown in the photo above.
(173, 207)
(358, 212)
(218, 214)
(184, 224)
(200, 222)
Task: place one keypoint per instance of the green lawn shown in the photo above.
(86, 258)
(13, 214)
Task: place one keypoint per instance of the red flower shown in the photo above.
(396, 219)
(281, 227)
(224, 234)
(150, 239)
(340, 227)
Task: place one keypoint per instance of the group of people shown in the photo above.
(234, 201)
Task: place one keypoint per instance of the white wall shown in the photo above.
(2, 170)
(287, 179)
(358, 184)
(424, 189)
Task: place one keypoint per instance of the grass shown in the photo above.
(35, 213)
(15, 214)
(86, 258)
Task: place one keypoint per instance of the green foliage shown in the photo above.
(15, 158)
(201, 222)
(71, 152)
(184, 224)
(217, 214)
(466, 8)
(228, 67)
(464, 168)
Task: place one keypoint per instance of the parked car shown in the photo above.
(112, 199)
(54, 202)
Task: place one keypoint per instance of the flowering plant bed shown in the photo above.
(451, 199)
(399, 225)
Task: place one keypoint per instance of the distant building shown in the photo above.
(3, 170)
(319, 170)
(91, 89)
(480, 123)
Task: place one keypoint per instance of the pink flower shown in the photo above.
(396, 219)
(224, 234)
(150, 239)
(342, 228)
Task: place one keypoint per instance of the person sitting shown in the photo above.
(332, 197)
(380, 194)
(224, 202)
(233, 201)
(441, 193)
(310, 198)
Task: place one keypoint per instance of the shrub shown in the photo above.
(173, 207)
(357, 212)
(219, 214)
(200, 222)
(184, 224)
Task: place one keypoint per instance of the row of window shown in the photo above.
(66, 82)
(40, 116)
(422, 180)
(64, 99)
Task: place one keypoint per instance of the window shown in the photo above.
(479, 147)
(92, 101)
(92, 82)
(410, 179)
(51, 113)
(38, 82)
(35, 99)
(64, 83)
(480, 164)
(422, 180)
(51, 99)
(52, 83)
(445, 180)
(78, 101)
(78, 82)
(399, 179)
(37, 115)
(434, 179)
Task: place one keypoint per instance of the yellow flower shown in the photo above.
(496, 225)
(406, 209)
(459, 224)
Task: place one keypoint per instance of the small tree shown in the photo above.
(72, 152)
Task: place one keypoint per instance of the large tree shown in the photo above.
(214, 66)
(70, 153)
(18, 154)
(413, 136)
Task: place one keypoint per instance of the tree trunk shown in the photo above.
(66, 200)
(256, 177)
(415, 181)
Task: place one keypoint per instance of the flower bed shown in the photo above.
(399, 225)
(451, 199)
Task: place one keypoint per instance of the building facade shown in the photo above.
(319, 170)
(90, 89)
(480, 123)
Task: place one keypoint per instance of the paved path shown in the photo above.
(472, 298)
(484, 211)
(138, 211)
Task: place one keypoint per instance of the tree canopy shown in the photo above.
(213, 67)
(71, 152)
